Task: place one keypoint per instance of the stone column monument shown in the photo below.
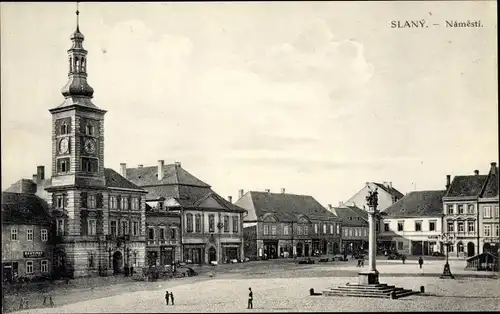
(370, 276)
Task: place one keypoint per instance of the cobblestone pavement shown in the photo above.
(135, 295)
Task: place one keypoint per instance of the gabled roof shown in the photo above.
(490, 188)
(418, 204)
(24, 208)
(286, 207)
(466, 186)
(115, 180)
(22, 186)
(350, 217)
(389, 189)
(173, 175)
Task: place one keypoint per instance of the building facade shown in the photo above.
(387, 195)
(489, 217)
(413, 225)
(354, 228)
(287, 225)
(26, 238)
(211, 227)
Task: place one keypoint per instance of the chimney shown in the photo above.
(268, 191)
(161, 163)
(330, 206)
(40, 173)
(140, 166)
(493, 168)
(123, 169)
(178, 164)
(386, 184)
(448, 180)
(341, 203)
(230, 198)
(390, 184)
(282, 190)
(476, 172)
(34, 178)
(241, 192)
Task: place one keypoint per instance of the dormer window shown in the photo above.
(89, 130)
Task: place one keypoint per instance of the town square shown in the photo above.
(249, 156)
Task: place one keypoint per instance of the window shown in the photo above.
(497, 230)
(461, 226)
(331, 229)
(113, 202)
(324, 228)
(400, 246)
(351, 232)
(460, 247)
(450, 209)
(226, 223)
(60, 226)
(91, 227)
(285, 230)
(377, 227)
(299, 230)
(306, 230)
(346, 232)
(366, 231)
(151, 234)
(487, 212)
(451, 226)
(400, 225)
(135, 228)
(418, 226)
(44, 235)
(470, 226)
(273, 230)
(162, 233)
(89, 130)
(113, 227)
(124, 227)
(59, 201)
(338, 229)
(189, 223)
(135, 203)
(386, 226)
(487, 230)
(124, 203)
(451, 248)
(497, 212)
(432, 226)
(172, 234)
(13, 234)
(29, 235)
(44, 266)
(461, 209)
(358, 232)
(315, 228)
(236, 224)
(471, 208)
(29, 267)
(64, 128)
(197, 222)
(91, 260)
(266, 229)
(63, 165)
(211, 223)
(91, 201)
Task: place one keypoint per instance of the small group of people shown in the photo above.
(361, 262)
(169, 297)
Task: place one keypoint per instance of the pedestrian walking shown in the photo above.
(250, 298)
(166, 297)
(403, 258)
(362, 261)
(172, 297)
(48, 297)
(420, 261)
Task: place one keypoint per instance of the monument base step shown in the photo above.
(369, 291)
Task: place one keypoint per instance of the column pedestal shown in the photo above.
(447, 272)
(368, 278)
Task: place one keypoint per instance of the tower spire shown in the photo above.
(77, 16)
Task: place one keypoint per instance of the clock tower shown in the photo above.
(77, 127)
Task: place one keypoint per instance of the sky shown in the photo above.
(314, 97)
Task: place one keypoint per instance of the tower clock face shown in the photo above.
(89, 146)
(63, 146)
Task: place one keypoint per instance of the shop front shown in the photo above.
(194, 254)
(230, 252)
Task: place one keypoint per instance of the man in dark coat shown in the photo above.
(172, 297)
(420, 261)
(250, 299)
(166, 297)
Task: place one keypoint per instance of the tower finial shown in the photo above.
(77, 16)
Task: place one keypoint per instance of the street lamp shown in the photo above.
(447, 239)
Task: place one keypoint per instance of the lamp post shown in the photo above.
(370, 277)
(447, 239)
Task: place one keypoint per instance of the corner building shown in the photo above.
(99, 215)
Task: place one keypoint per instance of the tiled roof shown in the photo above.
(24, 208)
(359, 211)
(418, 204)
(491, 187)
(286, 207)
(351, 217)
(464, 186)
(173, 174)
(389, 190)
(115, 180)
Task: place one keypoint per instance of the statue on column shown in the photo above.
(372, 198)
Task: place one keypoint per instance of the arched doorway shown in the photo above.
(299, 249)
(212, 254)
(486, 247)
(470, 249)
(117, 262)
